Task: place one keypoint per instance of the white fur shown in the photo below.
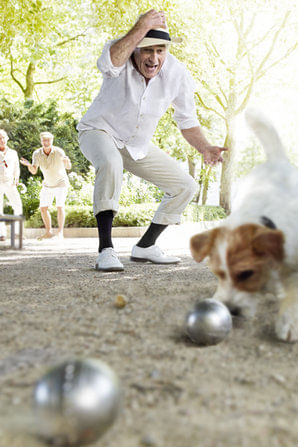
(271, 190)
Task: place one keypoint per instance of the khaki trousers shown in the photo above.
(157, 167)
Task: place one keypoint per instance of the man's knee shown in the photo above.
(190, 186)
(193, 186)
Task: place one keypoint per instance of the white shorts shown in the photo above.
(47, 196)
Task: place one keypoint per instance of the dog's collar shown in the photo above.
(268, 222)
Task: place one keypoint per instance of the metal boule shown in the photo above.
(75, 403)
(208, 323)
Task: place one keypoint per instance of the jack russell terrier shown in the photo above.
(257, 245)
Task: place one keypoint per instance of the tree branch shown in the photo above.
(50, 82)
(64, 42)
(260, 75)
(216, 96)
(209, 108)
(269, 52)
(12, 74)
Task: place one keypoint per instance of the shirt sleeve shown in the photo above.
(185, 113)
(104, 63)
(60, 152)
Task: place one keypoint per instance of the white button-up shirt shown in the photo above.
(129, 110)
(9, 166)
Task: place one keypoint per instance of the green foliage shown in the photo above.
(136, 190)
(82, 216)
(199, 213)
(136, 215)
(76, 216)
(81, 188)
(23, 125)
(30, 196)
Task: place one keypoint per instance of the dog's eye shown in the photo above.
(242, 276)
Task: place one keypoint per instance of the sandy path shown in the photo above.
(242, 392)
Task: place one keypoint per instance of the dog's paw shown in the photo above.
(286, 327)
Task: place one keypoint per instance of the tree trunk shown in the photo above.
(226, 172)
(29, 82)
(206, 185)
(191, 166)
(205, 192)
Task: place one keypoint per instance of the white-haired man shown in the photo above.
(53, 163)
(9, 179)
(141, 79)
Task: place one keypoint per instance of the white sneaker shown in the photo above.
(108, 261)
(152, 254)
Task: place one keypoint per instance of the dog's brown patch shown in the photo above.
(252, 251)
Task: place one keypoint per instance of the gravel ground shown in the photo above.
(55, 306)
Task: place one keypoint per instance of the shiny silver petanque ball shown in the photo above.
(208, 323)
(75, 403)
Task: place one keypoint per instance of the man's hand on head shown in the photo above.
(213, 155)
(152, 19)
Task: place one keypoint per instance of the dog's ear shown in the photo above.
(269, 243)
(202, 243)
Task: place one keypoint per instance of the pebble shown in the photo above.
(120, 302)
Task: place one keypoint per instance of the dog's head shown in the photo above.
(241, 258)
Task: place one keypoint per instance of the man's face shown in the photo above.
(149, 60)
(46, 142)
(3, 141)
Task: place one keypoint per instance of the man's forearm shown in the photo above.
(32, 169)
(121, 50)
(195, 137)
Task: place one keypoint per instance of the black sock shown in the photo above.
(104, 225)
(151, 235)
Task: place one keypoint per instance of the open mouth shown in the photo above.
(150, 68)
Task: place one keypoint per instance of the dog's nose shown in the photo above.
(236, 311)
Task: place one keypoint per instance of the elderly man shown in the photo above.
(9, 178)
(140, 81)
(53, 163)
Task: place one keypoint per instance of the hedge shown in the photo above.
(129, 216)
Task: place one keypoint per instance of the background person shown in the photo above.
(53, 164)
(9, 179)
(140, 81)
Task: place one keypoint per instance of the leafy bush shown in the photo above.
(137, 190)
(198, 213)
(30, 196)
(81, 188)
(76, 216)
(136, 215)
